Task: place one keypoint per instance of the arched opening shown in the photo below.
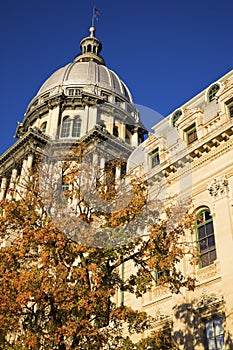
(205, 237)
(212, 92)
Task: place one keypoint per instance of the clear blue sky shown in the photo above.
(166, 51)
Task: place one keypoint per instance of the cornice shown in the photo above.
(27, 144)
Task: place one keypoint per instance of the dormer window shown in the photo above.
(176, 115)
(212, 92)
(191, 134)
(154, 158)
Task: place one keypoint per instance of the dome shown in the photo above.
(85, 75)
(87, 93)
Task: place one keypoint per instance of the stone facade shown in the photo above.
(194, 146)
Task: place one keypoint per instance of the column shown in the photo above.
(3, 188)
(12, 184)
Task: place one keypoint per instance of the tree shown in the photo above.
(59, 277)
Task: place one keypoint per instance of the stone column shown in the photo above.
(135, 137)
(12, 184)
(3, 188)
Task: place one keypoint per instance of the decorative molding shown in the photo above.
(208, 300)
(207, 272)
(218, 187)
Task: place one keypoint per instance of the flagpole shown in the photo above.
(93, 17)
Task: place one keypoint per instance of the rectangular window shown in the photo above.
(191, 134)
(74, 92)
(214, 334)
(105, 96)
(154, 158)
(230, 110)
(160, 275)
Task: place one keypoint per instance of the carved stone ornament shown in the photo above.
(206, 300)
(218, 187)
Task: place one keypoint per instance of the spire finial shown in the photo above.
(92, 31)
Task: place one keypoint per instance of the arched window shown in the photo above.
(212, 92)
(71, 127)
(76, 130)
(205, 237)
(176, 115)
(43, 126)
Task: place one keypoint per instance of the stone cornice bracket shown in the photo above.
(218, 187)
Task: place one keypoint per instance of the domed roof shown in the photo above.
(86, 73)
(87, 69)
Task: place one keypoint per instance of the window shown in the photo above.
(123, 169)
(71, 127)
(230, 110)
(105, 96)
(74, 92)
(118, 101)
(212, 92)
(205, 237)
(76, 131)
(159, 275)
(115, 131)
(176, 116)
(214, 334)
(191, 134)
(154, 158)
(65, 131)
(43, 127)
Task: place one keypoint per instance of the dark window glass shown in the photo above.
(65, 131)
(176, 116)
(154, 156)
(191, 135)
(212, 92)
(214, 334)
(205, 237)
(76, 131)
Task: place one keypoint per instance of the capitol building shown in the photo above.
(189, 152)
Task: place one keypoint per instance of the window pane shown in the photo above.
(209, 228)
(213, 256)
(207, 215)
(231, 111)
(211, 241)
(203, 244)
(211, 344)
(65, 132)
(205, 260)
(218, 326)
(220, 342)
(201, 232)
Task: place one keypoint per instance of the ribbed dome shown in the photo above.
(86, 74)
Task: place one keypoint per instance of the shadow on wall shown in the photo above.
(202, 321)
